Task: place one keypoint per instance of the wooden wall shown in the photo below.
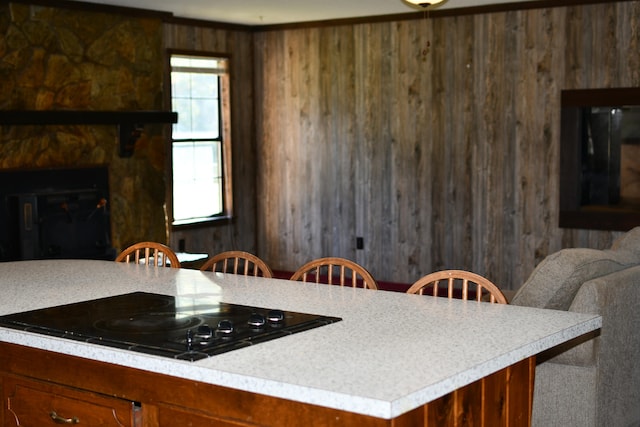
(443, 156)
(443, 160)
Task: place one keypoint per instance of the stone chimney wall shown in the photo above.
(64, 59)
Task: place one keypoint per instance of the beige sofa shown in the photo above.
(594, 382)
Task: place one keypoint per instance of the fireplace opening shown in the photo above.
(55, 213)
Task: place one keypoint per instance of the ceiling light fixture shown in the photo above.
(421, 4)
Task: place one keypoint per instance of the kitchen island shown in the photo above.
(393, 359)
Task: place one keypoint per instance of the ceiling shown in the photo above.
(270, 12)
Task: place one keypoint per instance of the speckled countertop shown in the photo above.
(391, 353)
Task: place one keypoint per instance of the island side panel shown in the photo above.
(504, 398)
(506, 395)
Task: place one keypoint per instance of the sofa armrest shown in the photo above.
(555, 282)
(616, 351)
(583, 351)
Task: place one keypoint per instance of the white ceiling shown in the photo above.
(268, 12)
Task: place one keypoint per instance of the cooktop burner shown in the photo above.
(188, 328)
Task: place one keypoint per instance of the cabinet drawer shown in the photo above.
(31, 403)
(183, 417)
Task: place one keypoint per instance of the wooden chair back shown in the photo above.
(339, 271)
(149, 253)
(238, 262)
(484, 289)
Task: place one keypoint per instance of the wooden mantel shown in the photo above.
(128, 122)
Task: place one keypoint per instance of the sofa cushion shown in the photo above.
(556, 280)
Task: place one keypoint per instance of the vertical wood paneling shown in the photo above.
(273, 199)
(298, 168)
(508, 119)
(504, 398)
(499, 163)
(629, 36)
(338, 116)
(372, 142)
(362, 126)
(448, 160)
(411, 136)
(481, 141)
(438, 122)
(528, 165)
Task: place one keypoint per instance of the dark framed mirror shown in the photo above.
(600, 159)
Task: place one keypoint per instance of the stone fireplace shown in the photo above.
(58, 59)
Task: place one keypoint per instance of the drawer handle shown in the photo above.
(61, 420)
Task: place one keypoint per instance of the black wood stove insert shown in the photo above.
(55, 213)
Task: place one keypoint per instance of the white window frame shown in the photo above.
(223, 139)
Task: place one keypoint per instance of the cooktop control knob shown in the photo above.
(275, 316)
(256, 320)
(189, 340)
(225, 328)
(204, 332)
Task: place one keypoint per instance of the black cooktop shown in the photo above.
(187, 328)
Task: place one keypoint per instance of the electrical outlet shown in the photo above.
(359, 243)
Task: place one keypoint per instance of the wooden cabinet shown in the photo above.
(34, 383)
(168, 416)
(31, 403)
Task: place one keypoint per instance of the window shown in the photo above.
(200, 139)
